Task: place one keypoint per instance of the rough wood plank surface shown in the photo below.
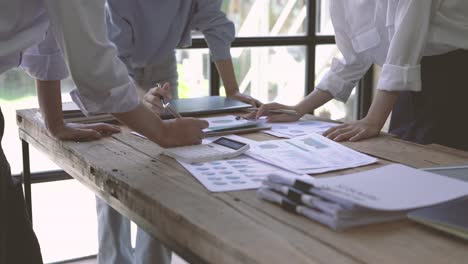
(371, 244)
(237, 227)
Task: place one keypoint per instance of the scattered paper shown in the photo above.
(298, 128)
(308, 154)
(241, 173)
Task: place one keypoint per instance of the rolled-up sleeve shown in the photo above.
(103, 84)
(218, 30)
(45, 61)
(344, 73)
(402, 70)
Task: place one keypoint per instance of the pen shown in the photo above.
(276, 111)
(169, 107)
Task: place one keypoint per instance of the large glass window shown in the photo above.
(253, 18)
(334, 109)
(271, 73)
(193, 69)
(324, 24)
(17, 91)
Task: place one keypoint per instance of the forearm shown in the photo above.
(314, 100)
(226, 71)
(145, 122)
(50, 103)
(381, 107)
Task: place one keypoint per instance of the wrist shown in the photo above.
(232, 92)
(163, 138)
(54, 126)
(374, 120)
(300, 109)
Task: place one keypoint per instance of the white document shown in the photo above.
(241, 173)
(308, 154)
(228, 122)
(391, 188)
(298, 128)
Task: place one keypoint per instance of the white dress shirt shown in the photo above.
(79, 27)
(394, 34)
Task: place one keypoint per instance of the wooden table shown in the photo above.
(236, 227)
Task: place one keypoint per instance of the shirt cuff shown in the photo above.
(219, 42)
(44, 67)
(336, 86)
(121, 99)
(220, 51)
(400, 78)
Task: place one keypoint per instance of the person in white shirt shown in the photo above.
(146, 34)
(395, 34)
(103, 86)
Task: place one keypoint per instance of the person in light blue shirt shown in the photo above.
(146, 34)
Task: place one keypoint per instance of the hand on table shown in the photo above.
(354, 131)
(182, 132)
(273, 117)
(246, 99)
(83, 132)
(152, 98)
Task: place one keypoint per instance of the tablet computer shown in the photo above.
(450, 217)
(193, 107)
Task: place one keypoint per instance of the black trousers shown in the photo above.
(18, 243)
(437, 114)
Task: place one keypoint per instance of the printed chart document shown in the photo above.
(235, 174)
(308, 154)
(298, 128)
(372, 196)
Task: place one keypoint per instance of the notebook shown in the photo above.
(450, 217)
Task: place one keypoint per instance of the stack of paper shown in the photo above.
(372, 196)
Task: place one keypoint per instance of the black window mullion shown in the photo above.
(215, 83)
(271, 41)
(310, 54)
(364, 94)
